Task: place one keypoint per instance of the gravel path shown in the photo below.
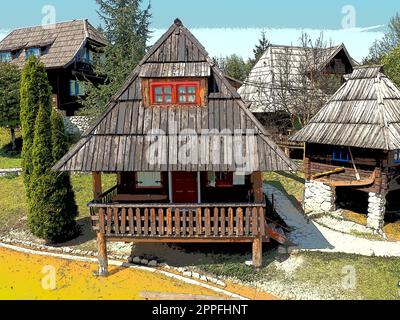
(308, 235)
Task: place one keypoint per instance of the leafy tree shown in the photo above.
(52, 208)
(34, 92)
(126, 28)
(9, 99)
(392, 65)
(234, 66)
(390, 41)
(261, 47)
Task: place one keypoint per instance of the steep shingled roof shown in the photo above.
(118, 141)
(62, 41)
(263, 83)
(364, 112)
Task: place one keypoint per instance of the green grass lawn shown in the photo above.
(326, 273)
(13, 205)
(291, 184)
(8, 159)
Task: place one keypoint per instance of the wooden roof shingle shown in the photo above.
(364, 112)
(120, 139)
(62, 41)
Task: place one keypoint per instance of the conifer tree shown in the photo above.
(52, 208)
(127, 30)
(34, 91)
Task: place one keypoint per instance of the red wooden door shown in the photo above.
(184, 187)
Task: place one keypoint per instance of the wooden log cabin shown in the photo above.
(190, 189)
(67, 49)
(352, 157)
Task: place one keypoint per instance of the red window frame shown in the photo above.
(226, 181)
(138, 186)
(175, 86)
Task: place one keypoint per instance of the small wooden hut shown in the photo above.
(165, 135)
(352, 156)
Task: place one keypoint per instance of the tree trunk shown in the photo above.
(12, 135)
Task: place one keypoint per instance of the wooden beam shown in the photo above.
(102, 254)
(256, 179)
(97, 186)
(257, 252)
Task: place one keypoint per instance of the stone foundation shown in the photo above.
(376, 211)
(319, 197)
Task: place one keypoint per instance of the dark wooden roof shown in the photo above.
(62, 39)
(364, 112)
(119, 139)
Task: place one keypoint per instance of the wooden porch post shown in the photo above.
(101, 238)
(256, 179)
(97, 187)
(102, 254)
(257, 252)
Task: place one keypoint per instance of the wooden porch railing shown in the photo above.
(179, 220)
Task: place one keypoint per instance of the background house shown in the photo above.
(352, 157)
(67, 50)
(289, 84)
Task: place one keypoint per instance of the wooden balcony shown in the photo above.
(152, 222)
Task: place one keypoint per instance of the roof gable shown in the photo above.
(118, 140)
(364, 112)
(260, 86)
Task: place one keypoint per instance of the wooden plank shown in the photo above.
(230, 221)
(177, 222)
(247, 222)
(254, 222)
(207, 226)
(257, 252)
(261, 214)
(109, 215)
(123, 221)
(146, 222)
(161, 222)
(153, 222)
(215, 222)
(169, 222)
(191, 231)
(184, 223)
(102, 257)
(199, 227)
(239, 221)
(138, 222)
(131, 221)
(97, 185)
(223, 222)
(116, 221)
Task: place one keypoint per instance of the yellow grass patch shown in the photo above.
(392, 231)
(355, 217)
(27, 277)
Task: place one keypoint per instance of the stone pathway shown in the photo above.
(310, 236)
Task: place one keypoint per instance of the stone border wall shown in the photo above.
(77, 125)
(319, 197)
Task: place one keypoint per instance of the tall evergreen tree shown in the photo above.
(52, 208)
(34, 92)
(9, 98)
(261, 47)
(126, 27)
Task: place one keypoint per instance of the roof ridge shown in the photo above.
(52, 24)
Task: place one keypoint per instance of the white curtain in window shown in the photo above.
(149, 179)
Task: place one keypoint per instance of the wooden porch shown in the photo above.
(176, 223)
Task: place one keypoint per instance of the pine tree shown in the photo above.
(261, 47)
(9, 99)
(126, 28)
(33, 92)
(52, 208)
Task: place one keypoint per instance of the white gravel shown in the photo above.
(311, 236)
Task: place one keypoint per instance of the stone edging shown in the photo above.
(6, 172)
(87, 255)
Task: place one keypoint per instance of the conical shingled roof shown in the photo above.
(118, 141)
(364, 112)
